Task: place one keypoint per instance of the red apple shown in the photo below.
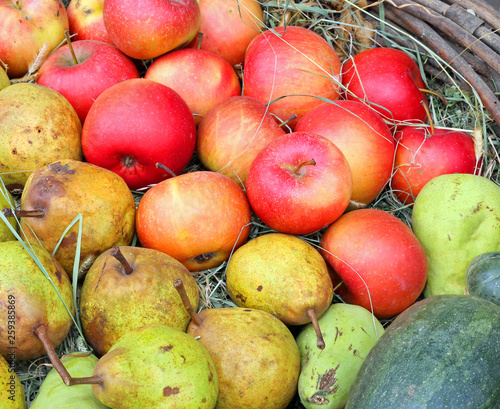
(422, 156)
(28, 28)
(86, 20)
(382, 265)
(363, 137)
(232, 134)
(294, 63)
(136, 124)
(201, 78)
(198, 218)
(149, 28)
(100, 65)
(228, 27)
(299, 183)
(390, 80)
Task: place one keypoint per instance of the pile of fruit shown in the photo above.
(242, 204)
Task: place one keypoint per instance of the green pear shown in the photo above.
(155, 366)
(54, 394)
(11, 391)
(456, 217)
(282, 275)
(128, 287)
(350, 332)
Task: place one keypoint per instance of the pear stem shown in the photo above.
(320, 343)
(68, 39)
(179, 286)
(431, 122)
(116, 253)
(162, 166)
(309, 162)
(282, 124)
(8, 212)
(41, 333)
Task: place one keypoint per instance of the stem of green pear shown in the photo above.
(8, 212)
(68, 39)
(309, 162)
(116, 253)
(282, 124)
(41, 333)
(320, 343)
(162, 166)
(179, 286)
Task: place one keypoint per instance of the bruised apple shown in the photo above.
(198, 218)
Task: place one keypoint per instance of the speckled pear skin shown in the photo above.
(350, 332)
(282, 275)
(255, 354)
(35, 300)
(54, 394)
(159, 367)
(11, 391)
(66, 188)
(456, 217)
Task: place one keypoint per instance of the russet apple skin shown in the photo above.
(421, 157)
(228, 27)
(382, 264)
(281, 63)
(363, 137)
(25, 29)
(198, 218)
(100, 65)
(294, 197)
(201, 78)
(86, 20)
(150, 28)
(232, 134)
(136, 124)
(390, 80)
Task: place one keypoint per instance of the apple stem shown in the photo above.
(309, 162)
(431, 122)
(116, 253)
(198, 43)
(41, 333)
(68, 39)
(320, 343)
(161, 166)
(179, 286)
(337, 286)
(8, 212)
(282, 124)
(428, 91)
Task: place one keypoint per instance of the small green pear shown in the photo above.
(11, 391)
(456, 217)
(350, 332)
(54, 394)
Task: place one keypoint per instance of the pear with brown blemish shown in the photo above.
(282, 275)
(36, 311)
(255, 355)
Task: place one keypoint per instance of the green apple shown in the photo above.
(456, 217)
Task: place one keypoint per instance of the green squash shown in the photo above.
(442, 352)
(482, 277)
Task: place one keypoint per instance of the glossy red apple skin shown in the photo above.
(295, 61)
(232, 134)
(292, 195)
(228, 27)
(100, 65)
(201, 78)
(363, 137)
(26, 28)
(390, 80)
(198, 218)
(149, 28)
(421, 157)
(382, 264)
(136, 124)
(86, 20)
